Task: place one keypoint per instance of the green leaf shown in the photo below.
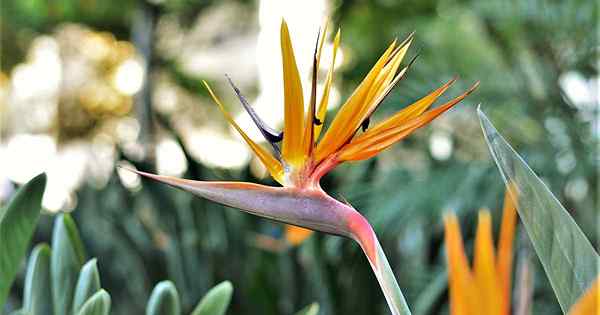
(67, 259)
(98, 304)
(216, 301)
(17, 223)
(312, 309)
(164, 300)
(37, 300)
(87, 285)
(566, 254)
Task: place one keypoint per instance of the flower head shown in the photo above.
(300, 156)
(298, 159)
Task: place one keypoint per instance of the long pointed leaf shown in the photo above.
(216, 301)
(164, 300)
(566, 254)
(87, 284)
(37, 299)
(97, 304)
(17, 223)
(312, 309)
(67, 258)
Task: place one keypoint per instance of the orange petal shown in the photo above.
(589, 303)
(462, 295)
(486, 277)
(273, 166)
(296, 235)
(370, 144)
(292, 149)
(322, 111)
(411, 111)
(354, 111)
(505, 250)
(383, 80)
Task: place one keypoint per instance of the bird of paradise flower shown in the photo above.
(486, 288)
(297, 160)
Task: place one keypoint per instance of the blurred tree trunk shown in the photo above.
(142, 36)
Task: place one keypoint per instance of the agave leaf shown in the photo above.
(17, 223)
(98, 304)
(216, 301)
(312, 309)
(164, 300)
(568, 258)
(37, 300)
(67, 259)
(87, 285)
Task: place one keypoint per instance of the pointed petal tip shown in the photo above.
(449, 215)
(412, 61)
(338, 35)
(127, 168)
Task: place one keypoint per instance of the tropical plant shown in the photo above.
(569, 260)
(301, 161)
(58, 281)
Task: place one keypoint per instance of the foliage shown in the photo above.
(520, 50)
(570, 261)
(17, 223)
(50, 270)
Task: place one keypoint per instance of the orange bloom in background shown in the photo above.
(486, 287)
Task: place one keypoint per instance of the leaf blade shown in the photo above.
(17, 223)
(568, 258)
(87, 285)
(216, 300)
(66, 261)
(164, 300)
(37, 301)
(312, 309)
(97, 304)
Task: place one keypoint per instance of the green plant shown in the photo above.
(17, 223)
(58, 282)
(569, 259)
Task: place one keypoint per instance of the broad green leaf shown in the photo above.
(97, 304)
(312, 309)
(216, 301)
(164, 300)
(67, 259)
(87, 285)
(568, 258)
(36, 295)
(17, 223)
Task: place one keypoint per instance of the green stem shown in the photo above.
(365, 236)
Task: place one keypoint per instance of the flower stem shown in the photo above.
(365, 236)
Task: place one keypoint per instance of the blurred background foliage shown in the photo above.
(87, 84)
